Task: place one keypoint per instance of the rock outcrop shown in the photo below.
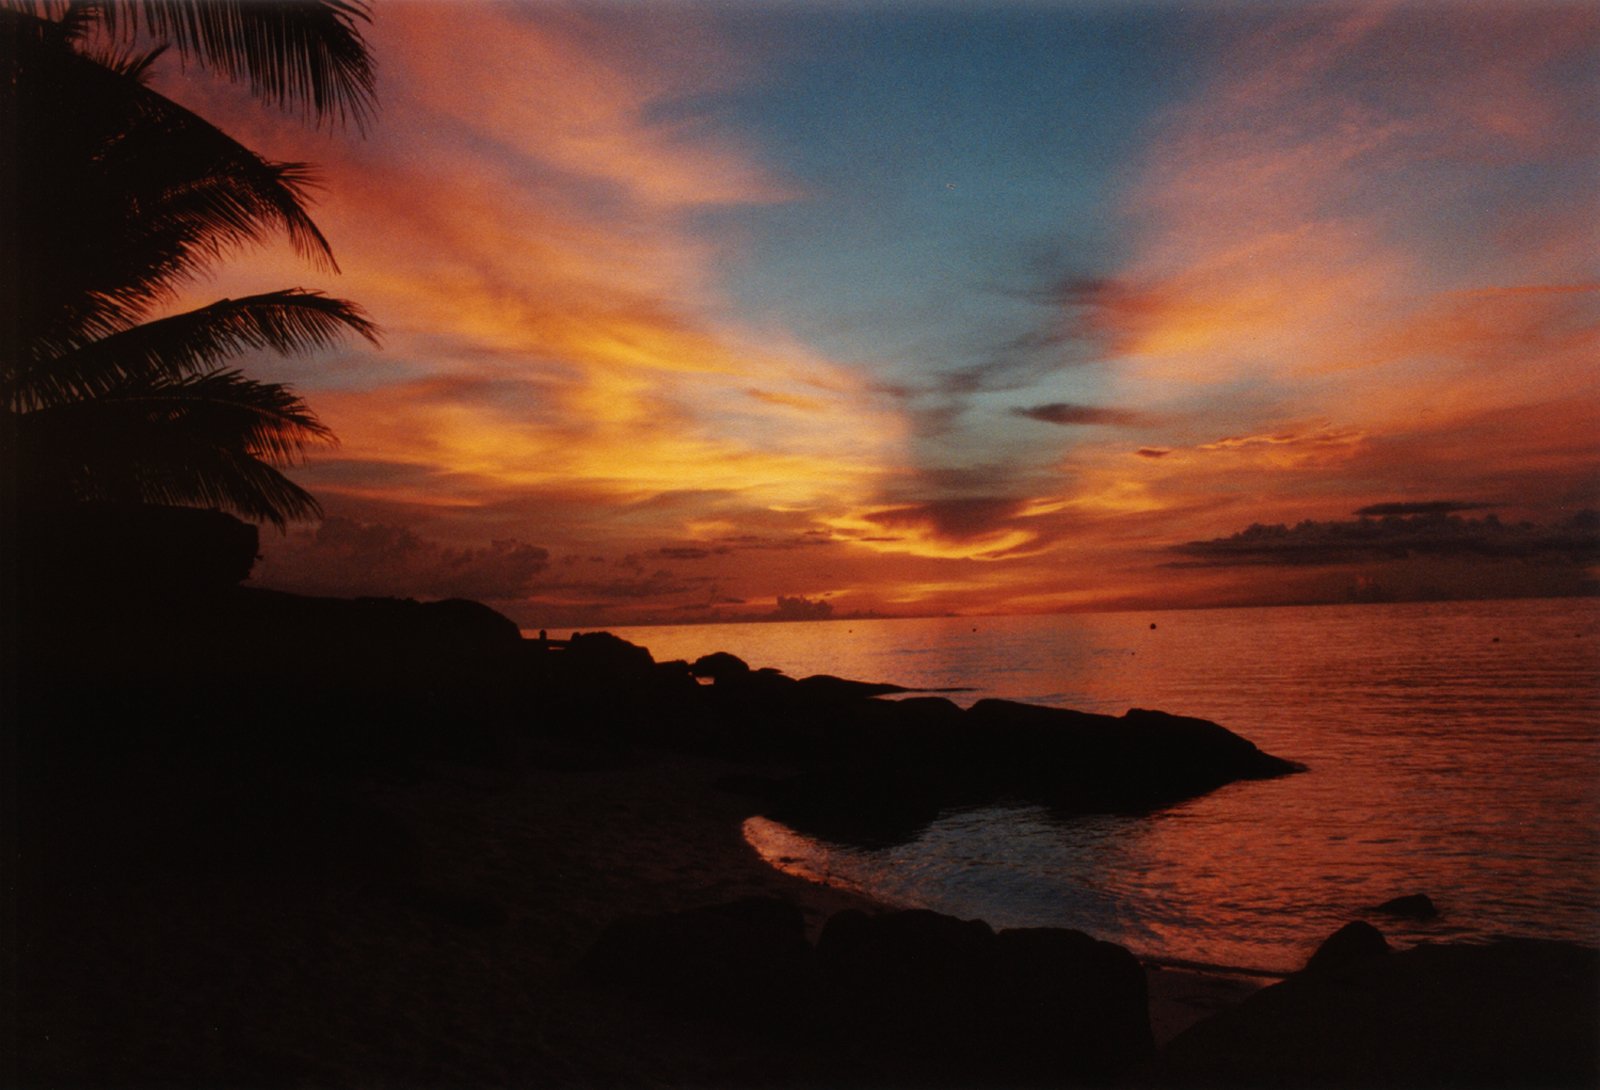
(1352, 944)
(924, 996)
(1414, 906)
(881, 771)
(1512, 1013)
(902, 998)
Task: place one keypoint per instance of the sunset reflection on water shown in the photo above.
(1452, 751)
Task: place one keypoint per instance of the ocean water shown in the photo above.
(1453, 748)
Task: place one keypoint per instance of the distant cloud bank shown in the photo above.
(1398, 530)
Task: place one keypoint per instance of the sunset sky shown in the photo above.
(915, 308)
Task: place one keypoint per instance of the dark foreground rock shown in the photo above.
(901, 998)
(890, 768)
(1350, 945)
(931, 998)
(1516, 1013)
(1413, 906)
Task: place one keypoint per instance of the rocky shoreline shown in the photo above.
(257, 839)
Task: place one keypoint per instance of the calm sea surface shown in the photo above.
(1454, 750)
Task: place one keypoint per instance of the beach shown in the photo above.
(430, 935)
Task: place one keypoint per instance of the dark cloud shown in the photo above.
(1067, 413)
(689, 552)
(344, 556)
(657, 584)
(1153, 452)
(934, 421)
(1064, 334)
(973, 480)
(1055, 287)
(1022, 360)
(951, 518)
(1432, 507)
(802, 609)
(1574, 541)
(629, 599)
(802, 540)
(638, 562)
(1092, 313)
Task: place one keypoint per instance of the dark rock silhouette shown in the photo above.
(1415, 906)
(1067, 1003)
(929, 998)
(1352, 944)
(825, 688)
(887, 769)
(608, 655)
(720, 666)
(1515, 1013)
(901, 998)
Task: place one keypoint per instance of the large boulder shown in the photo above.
(1352, 944)
(1078, 761)
(881, 770)
(720, 667)
(1413, 906)
(825, 689)
(603, 655)
(919, 996)
(1515, 1013)
(1068, 1004)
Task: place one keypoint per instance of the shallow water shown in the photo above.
(1454, 749)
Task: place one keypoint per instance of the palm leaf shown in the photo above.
(115, 197)
(309, 53)
(125, 195)
(292, 322)
(211, 440)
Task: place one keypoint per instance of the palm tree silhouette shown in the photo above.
(116, 199)
(309, 53)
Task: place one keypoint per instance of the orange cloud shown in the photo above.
(575, 94)
(522, 224)
(1341, 228)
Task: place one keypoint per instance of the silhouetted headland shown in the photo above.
(259, 838)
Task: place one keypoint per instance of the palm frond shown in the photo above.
(116, 197)
(292, 322)
(309, 53)
(212, 440)
(125, 195)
